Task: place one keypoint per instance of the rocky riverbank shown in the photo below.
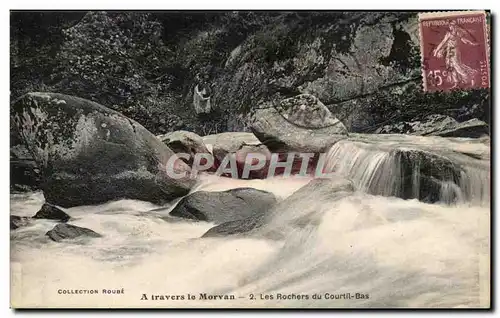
(88, 154)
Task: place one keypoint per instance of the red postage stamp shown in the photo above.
(454, 49)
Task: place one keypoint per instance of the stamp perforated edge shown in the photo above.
(431, 15)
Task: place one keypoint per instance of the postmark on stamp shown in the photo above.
(454, 50)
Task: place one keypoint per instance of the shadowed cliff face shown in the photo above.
(364, 66)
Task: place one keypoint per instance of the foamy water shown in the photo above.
(398, 252)
(373, 163)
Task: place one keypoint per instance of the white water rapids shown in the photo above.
(375, 165)
(401, 253)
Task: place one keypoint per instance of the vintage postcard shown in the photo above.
(241, 159)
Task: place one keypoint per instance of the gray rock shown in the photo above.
(436, 176)
(67, 231)
(241, 144)
(236, 227)
(473, 128)
(184, 142)
(301, 123)
(322, 189)
(359, 71)
(90, 154)
(51, 212)
(247, 151)
(224, 206)
(229, 142)
(18, 221)
(422, 174)
(438, 125)
(24, 173)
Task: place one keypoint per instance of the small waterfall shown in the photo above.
(410, 172)
(475, 184)
(451, 193)
(371, 170)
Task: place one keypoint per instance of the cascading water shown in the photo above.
(475, 184)
(371, 170)
(413, 168)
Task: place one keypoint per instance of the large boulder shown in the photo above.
(68, 231)
(322, 189)
(246, 155)
(185, 142)
(24, 172)
(224, 206)
(241, 145)
(245, 147)
(301, 123)
(91, 154)
(438, 125)
(229, 142)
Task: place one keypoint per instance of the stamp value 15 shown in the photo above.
(454, 50)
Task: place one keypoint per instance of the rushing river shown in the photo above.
(362, 250)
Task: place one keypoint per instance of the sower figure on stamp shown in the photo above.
(458, 72)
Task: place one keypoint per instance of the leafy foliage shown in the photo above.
(117, 59)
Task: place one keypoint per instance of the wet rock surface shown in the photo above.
(185, 142)
(236, 227)
(18, 221)
(301, 123)
(229, 142)
(431, 169)
(68, 231)
(90, 154)
(322, 188)
(224, 206)
(438, 125)
(51, 212)
(24, 173)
